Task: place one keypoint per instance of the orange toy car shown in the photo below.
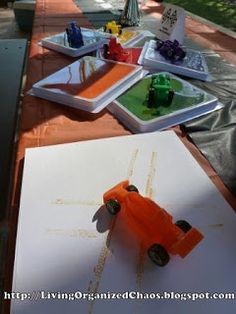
(152, 225)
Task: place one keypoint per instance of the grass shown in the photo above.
(221, 12)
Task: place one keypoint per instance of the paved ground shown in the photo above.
(98, 11)
(101, 5)
(8, 26)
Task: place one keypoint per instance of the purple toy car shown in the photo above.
(171, 50)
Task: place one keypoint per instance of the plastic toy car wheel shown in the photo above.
(113, 206)
(183, 225)
(105, 50)
(158, 255)
(104, 29)
(170, 53)
(132, 188)
(170, 96)
(120, 32)
(151, 98)
(159, 44)
(182, 55)
(110, 31)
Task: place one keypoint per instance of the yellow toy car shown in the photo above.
(113, 28)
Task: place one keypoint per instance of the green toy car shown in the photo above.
(160, 92)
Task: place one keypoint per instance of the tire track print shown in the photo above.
(149, 193)
(105, 251)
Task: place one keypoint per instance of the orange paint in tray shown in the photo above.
(89, 77)
(89, 83)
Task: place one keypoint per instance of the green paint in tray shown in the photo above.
(135, 99)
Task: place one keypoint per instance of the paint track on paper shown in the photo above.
(199, 206)
(82, 233)
(140, 269)
(149, 193)
(216, 225)
(60, 201)
(98, 269)
(105, 251)
(132, 163)
(151, 175)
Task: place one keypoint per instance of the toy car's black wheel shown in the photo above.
(182, 55)
(113, 206)
(183, 225)
(105, 50)
(104, 28)
(151, 98)
(120, 32)
(132, 188)
(159, 44)
(158, 254)
(170, 53)
(110, 31)
(170, 96)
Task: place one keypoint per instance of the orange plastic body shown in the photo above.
(151, 223)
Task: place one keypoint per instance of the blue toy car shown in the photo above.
(74, 36)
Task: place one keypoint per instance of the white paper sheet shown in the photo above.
(66, 244)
